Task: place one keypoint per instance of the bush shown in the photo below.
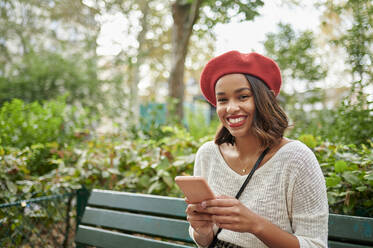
(348, 171)
(23, 125)
(349, 123)
(61, 161)
(147, 166)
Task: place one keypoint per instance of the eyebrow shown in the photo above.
(236, 91)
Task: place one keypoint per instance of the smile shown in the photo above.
(236, 121)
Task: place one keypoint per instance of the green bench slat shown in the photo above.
(120, 219)
(161, 205)
(351, 228)
(138, 223)
(336, 244)
(109, 239)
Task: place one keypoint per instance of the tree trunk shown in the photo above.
(184, 16)
(134, 98)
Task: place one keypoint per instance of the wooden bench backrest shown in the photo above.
(111, 218)
(350, 231)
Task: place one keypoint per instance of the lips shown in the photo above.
(236, 121)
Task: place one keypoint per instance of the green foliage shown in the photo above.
(214, 12)
(24, 125)
(48, 49)
(349, 123)
(295, 53)
(348, 171)
(46, 75)
(198, 124)
(353, 119)
(149, 166)
(357, 40)
(309, 140)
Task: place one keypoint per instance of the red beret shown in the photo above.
(231, 62)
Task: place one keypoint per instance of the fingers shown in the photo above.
(199, 217)
(195, 214)
(199, 223)
(222, 201)
(194, 208)
(232, 227)
(224, 197)
(221, 211)
(222, 219)
(223, 205)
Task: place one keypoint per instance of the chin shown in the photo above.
(239, 133)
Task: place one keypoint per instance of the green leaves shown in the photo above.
(351, 177)
(340, 166)
(309, 140)
(121, 162)
(348, 171)
(295, 53)
(11, 187)
(332, 181)
(23, 124)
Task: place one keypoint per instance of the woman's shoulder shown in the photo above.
(296, 156)
(296, 147)
(296, 152)
(207, 147)
(204, 156)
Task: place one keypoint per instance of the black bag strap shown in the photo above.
(257, 163)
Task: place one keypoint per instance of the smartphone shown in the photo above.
(195, 188)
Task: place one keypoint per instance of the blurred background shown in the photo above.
(105, 93)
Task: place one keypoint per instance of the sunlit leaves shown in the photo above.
(340, 166)
(213, 12)
(353, 22)
(24, 124)
(309, 140)
(295, 53)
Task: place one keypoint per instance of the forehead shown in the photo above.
(232, 82)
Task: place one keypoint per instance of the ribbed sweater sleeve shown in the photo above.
(310, 204)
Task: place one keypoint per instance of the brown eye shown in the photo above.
(243, 97)
(222, 99)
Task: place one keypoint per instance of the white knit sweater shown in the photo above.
(289, 190)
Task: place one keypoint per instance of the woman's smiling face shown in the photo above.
(235, 104)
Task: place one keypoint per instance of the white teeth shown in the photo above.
(236, 120)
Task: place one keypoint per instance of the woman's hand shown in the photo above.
(229, 213)
(201, 222)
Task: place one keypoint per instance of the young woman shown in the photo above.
(284, 204)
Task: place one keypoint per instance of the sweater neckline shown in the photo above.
(264, 167)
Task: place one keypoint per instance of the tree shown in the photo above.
(353, 22)
(296, 54)
(148, 56)
(356, 40)
(47, 75)
(185, 14)
(48, 48)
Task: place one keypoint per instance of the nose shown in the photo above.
(232, 107)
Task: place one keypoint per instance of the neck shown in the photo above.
(248, 146)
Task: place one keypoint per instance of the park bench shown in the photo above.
(114, 219)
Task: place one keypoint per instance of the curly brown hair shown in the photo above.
(269, 122)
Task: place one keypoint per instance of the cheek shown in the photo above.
(220, 112)
(250, 106)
